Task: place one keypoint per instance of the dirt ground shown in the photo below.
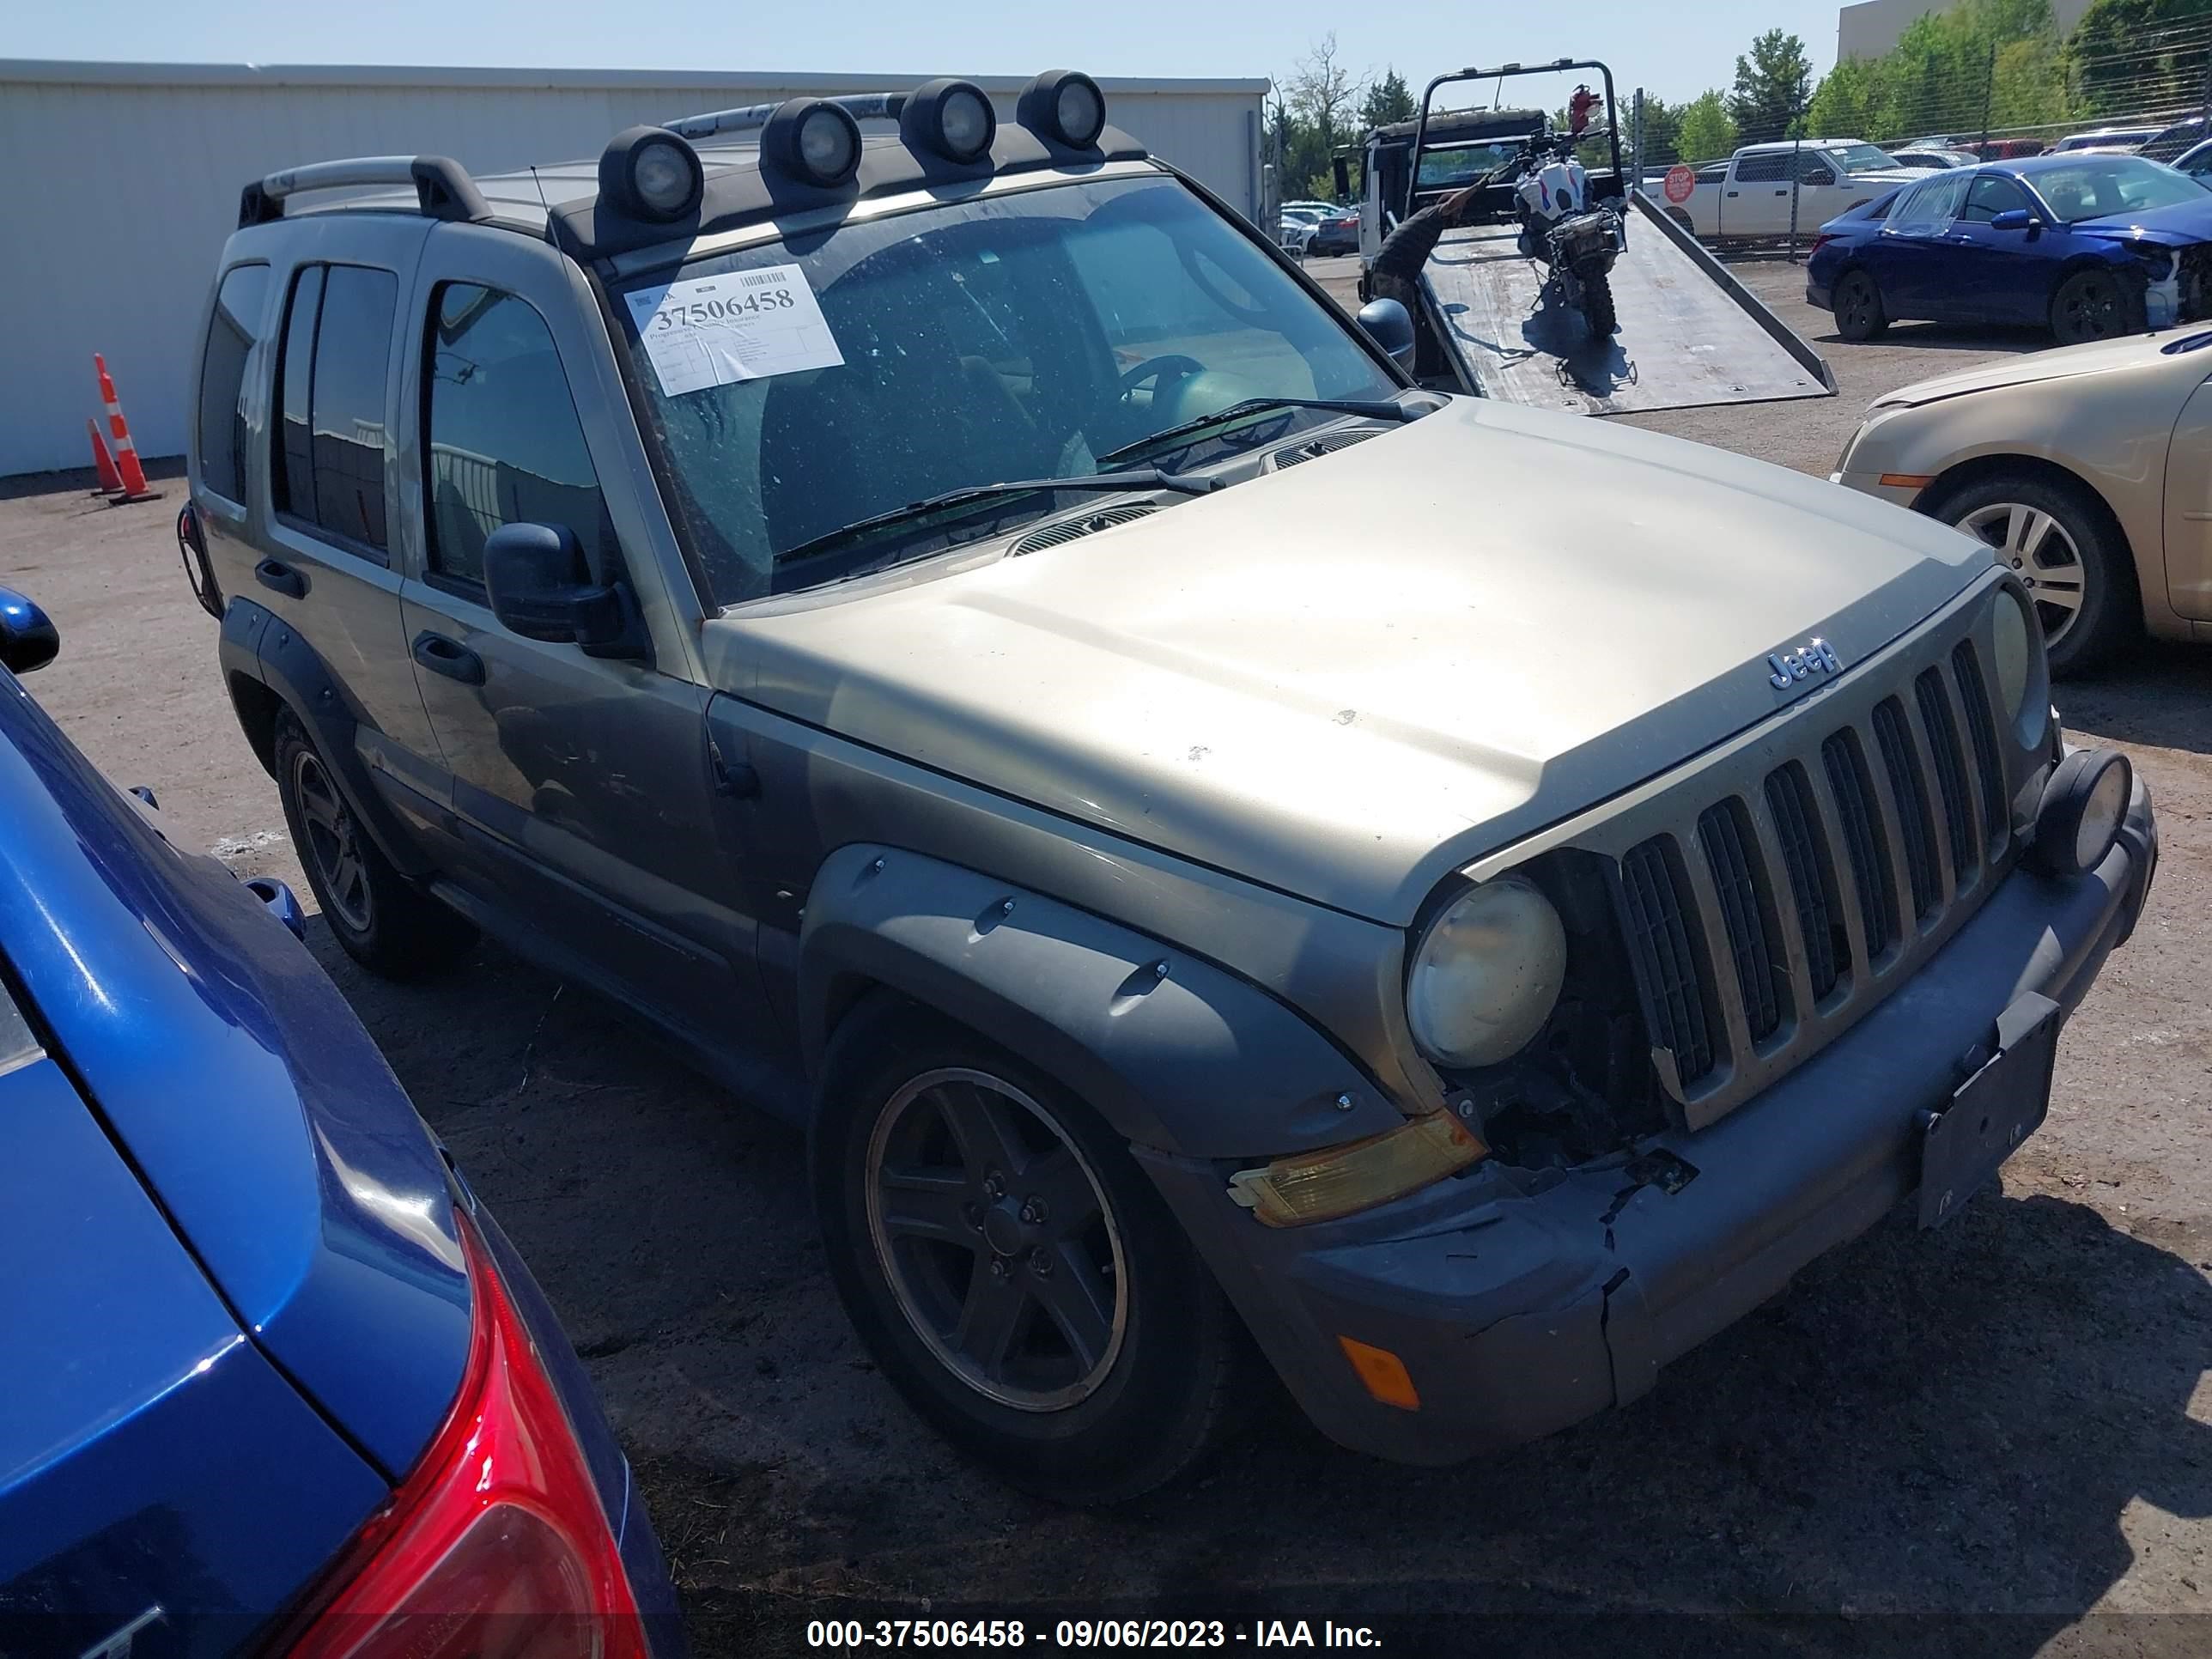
(1991, 1439)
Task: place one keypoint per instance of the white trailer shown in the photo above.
(1689, 333)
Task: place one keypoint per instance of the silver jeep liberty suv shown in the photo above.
(945, 621)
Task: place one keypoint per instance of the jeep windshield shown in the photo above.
(1023, 336)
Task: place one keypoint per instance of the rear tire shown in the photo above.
(2059, 539)
(1014, 1274)
(2093, 305)
(1597, 306)
(1858, 303)
(386, 923)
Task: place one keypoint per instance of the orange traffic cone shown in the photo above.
(126, 452)
(110, 481)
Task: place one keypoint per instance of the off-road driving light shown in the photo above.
(1486, 973)
(1066, 107)
(812, 139)
(2083, 805)
(1344, 1180)
(951, 118)
(651, 173)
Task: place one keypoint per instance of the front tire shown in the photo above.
(2066, 548)
(2093, 304)
(1008, 1266)
(385, 923)
(1860, 314)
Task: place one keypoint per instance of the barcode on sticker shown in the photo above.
(760, 279)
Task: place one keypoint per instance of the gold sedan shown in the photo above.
(2088, 470)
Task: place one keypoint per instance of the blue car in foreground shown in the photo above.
(2089, 245)
(274, 1381)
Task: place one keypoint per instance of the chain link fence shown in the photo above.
(2149, 91)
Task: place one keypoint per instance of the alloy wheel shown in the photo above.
(333, 843)
(996, 1238)
(2042, 550)
(2089, 308)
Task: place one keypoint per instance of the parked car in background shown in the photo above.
(2196, 161)
(1934, 160)
(1295, 227)
(1753, 199)
(2170, 142)
(2004, 149)
(2088, 471)
(277, 1381)
(2087, 245)
(2106, 138)
(1337, 233)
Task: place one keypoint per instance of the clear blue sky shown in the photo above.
(1676, 49)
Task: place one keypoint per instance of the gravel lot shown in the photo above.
(2002, 1427)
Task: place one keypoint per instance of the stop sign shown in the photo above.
(1680, 181)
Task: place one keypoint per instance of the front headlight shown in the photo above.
(1486, 973)
(2016, 642)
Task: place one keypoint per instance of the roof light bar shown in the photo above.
(752, 118)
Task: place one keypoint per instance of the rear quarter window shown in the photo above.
(233, 333)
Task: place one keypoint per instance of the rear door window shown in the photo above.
(1767, 166)
(233, 333)
(1930, 207)
(329, 451)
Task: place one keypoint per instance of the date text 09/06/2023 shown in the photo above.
(854, 1635)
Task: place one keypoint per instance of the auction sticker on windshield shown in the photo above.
(743, 326)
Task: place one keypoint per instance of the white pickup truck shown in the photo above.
(1746, 197)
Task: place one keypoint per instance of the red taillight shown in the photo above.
(495, 1546)
(1819, 242)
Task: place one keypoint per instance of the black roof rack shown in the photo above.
(443, 189)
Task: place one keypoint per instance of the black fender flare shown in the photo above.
(261, 647)
(1175, 1053)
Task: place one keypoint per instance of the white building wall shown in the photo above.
(120, 183)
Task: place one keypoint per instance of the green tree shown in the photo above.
(1390, 98)
(1663, 131)
(2121, 68)
(1998, 62)
(1706, 129)
(1772, 84)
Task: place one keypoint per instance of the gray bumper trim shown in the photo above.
(1519, 1307)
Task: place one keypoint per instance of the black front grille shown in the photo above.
(1659, 939)
(1981, 727)
(1950, 771)
(1805, 920)
(1912, 796)
(1868, 852)
(1723, 835)
(1812, 886)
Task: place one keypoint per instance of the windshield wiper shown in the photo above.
(1140, 477)
(1374, 409)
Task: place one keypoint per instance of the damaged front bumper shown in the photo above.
(1520, 1302)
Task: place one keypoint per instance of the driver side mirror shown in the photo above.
(541, 588)
(2013, 219)
(1389, 326)
(28, 639)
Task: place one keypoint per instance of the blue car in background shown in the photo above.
(271, 1379)
(2089, 245)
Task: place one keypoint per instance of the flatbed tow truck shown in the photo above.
(1689, 333)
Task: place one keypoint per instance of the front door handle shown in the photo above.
(281, 578)
(448, 657)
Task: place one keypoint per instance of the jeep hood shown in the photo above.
(1346, 679)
